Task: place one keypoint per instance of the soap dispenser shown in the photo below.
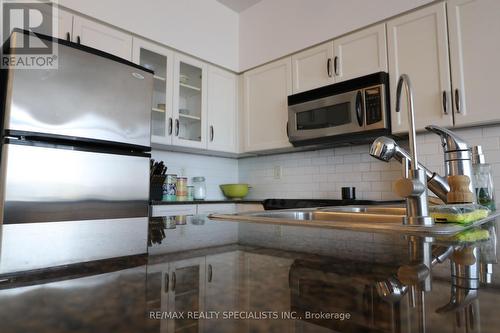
(483, 179)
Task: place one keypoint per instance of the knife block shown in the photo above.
(156, 188)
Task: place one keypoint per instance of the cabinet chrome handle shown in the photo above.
(176, 127)
(78, 40)
(336, 65)
(457, 101)
(445, 102)
(166, 281)
(287, 134)
(210, 273)
(211, 133)
(173, 281)
(68, 37)
(329, 67)
(170, 126)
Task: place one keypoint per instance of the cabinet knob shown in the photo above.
(68, 37)
(176, 127)
(329, 67)
(78, 40)
(211, 133)
(170, 126)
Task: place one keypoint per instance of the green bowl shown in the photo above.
(234, 191)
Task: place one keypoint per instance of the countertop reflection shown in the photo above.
(207, 276)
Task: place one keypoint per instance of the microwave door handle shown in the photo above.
(359, 108)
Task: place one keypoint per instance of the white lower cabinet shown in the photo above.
(216, 208)
(265, 106)
(173, 210)
(222, 110)
(102, 37)
(418, 46)
(475, 68)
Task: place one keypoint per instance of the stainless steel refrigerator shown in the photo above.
(74, 159)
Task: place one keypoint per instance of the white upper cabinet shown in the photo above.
(160, 60)
(475, 49)
(354, 55)
(265, 107)
(418, 46)
(313, 68)
(62, 18)
(65, 24)
(102, 37)
(222, 110)
(360, 53)
(190, 102)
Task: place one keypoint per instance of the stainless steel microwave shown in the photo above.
(352, 111)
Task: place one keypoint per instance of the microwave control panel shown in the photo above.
(373, 105)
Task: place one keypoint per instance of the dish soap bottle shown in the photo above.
(485, 191)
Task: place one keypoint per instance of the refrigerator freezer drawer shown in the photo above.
(44, 184)
(32, 246)
(89, 96)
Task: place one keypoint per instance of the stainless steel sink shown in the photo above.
(361, 218)
(368, 209)
(373, 214)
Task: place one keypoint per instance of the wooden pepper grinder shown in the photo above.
(459, 190)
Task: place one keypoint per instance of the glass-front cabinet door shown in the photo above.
(160, 60)
(190, 121)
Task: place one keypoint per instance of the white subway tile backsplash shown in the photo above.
(370, 176)
(216, 170)
(329, 169)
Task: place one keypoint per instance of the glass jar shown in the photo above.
(483, 179)
(200, 188)
(485, 191)
(190, 193)
(181, 190)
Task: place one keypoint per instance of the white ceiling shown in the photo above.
(238, 5)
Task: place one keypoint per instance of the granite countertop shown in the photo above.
(248, 277)
(203, 202)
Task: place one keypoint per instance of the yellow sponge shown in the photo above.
(463, 214)
(473, 235)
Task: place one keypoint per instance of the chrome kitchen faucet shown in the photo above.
(413, 185)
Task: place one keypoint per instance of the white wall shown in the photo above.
(203, 28)
(216, 170)
(321, 174)
(273, 28)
